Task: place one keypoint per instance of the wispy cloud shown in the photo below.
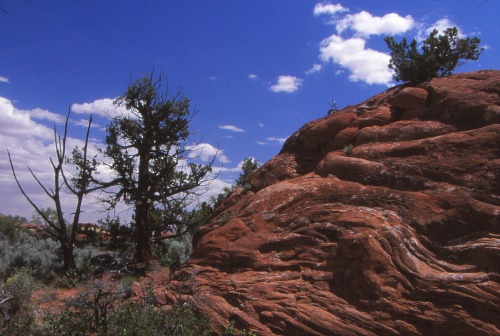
(440, 25)
(85, 123)
(286, 84)
(231, 128)
(212, 78)
(4, 79)
(278, 140)
(253, 77)
(328, 8)
(314, 69)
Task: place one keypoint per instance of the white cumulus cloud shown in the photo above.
(213, 189)
(253, 77)
(42, 114)
(31, 144)
(328, 8)
(348, 47)
(365, 64)
(366, 24)
(17, 124)
(206, 152)
(102, 107)
(231, 128)
(4, 79)
(286, 84)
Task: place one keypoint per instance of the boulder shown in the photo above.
(410, 98)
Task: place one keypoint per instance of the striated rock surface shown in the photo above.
(401, 237)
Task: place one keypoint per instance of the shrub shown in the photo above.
(348, 150)
(248, 166)
(85, 314)
(441, 54)
(40, 255)
(126, 285)
(96, 312)
(134, 318)
(177, 251)
(19, 286)
(232, 331)
(8, 226)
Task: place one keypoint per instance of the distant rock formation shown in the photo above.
(401, 237)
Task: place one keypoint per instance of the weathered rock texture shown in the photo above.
(402, 237)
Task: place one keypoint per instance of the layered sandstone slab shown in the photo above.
(401, 237)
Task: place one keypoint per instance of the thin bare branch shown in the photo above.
(51, 195)
(37, 209)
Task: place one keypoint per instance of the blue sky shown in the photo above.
(255, 71)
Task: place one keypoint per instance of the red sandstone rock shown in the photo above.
(400, 238)
(377, 117)
(345, 137)
(403, 131)
(410, 98)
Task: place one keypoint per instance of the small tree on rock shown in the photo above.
(248, 166)
(441, 54)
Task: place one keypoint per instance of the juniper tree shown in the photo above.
(248, 166)
(150, 158)
(441, 54)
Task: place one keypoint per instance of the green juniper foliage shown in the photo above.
(440, 55)
(248, 167)
(146, 149)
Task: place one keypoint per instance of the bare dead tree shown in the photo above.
(80, 184)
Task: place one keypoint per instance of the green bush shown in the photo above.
(40, 255)
(176, 251)
(8, 227)
(441, 54)
(348, 150)
(248, 167)
(97, 311)
(232, 331)
(136, 319)
(20, 287)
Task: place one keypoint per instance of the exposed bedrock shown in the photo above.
(400, 236)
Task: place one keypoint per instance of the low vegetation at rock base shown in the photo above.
(101, 310)
(31, 262)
